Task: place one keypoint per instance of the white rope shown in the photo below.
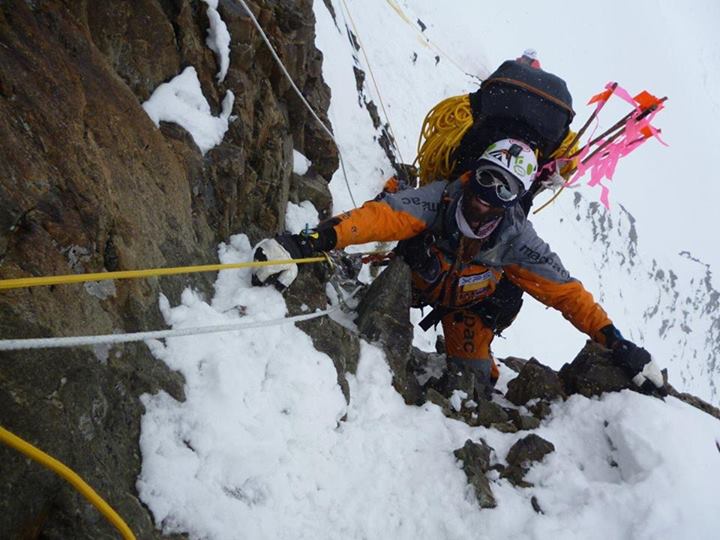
(78, 341)
(299, 93)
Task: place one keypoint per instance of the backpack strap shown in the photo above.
(439, 227)
(533, 89)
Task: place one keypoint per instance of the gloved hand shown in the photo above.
(636, 361)
(288, 246)
(271, 249)
(640, 366)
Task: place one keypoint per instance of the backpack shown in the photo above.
(515, 101)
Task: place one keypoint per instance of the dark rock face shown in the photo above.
(527, 450)
(88, 183)
(384, 317)
(311, 187)
(513, 362)
(593, 372)
(541, 409)
(534, 381)
(489, 413)
(475, 458)
(522, 421)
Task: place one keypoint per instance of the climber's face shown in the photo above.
(477, 212)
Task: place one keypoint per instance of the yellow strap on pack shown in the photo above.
(565, 149)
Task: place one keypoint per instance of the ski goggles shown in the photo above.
(496, 186)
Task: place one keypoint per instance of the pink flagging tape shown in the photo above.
(601, 165)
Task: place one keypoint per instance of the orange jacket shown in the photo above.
(460, 271)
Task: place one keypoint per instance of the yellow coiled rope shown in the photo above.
(445, 126)
(441, 133)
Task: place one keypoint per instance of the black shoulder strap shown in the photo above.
(438, 226)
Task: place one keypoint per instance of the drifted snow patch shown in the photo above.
(301, 164)
(181, 101)
(218, 39)
(258, 445)
(300, 216)
(259, 450)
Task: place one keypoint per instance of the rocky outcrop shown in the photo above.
(418, 376)
(529, 449)
(593, 372)
(475, 458)
(534, 381)
(88, 184)
(384, 317)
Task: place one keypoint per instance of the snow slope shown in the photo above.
(265, 445)
(258, 449)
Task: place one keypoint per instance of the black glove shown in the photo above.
(289, 246)
(636, 361)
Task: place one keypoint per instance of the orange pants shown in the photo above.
(467, 338)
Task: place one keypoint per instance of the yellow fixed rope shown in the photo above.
(67, 474)
(19, 283)
(423, 39)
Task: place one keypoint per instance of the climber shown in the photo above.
(518, 100)
(468, 235)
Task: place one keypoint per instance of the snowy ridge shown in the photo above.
(667, 303)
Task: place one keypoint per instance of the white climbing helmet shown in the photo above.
(504, 171)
